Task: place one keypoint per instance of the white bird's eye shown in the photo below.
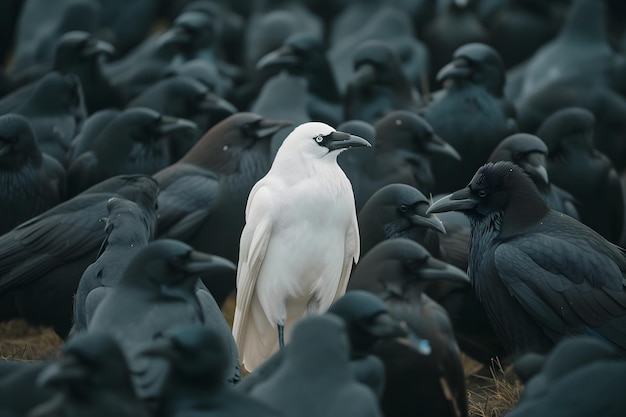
(319, 138)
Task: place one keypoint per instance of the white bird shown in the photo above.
(299, 243)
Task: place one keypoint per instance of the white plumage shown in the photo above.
(300, 240)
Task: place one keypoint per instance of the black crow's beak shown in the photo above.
(281, 57)
(429, 221)
(169, 125)
(458, 68)
(200, 263)
(385, 326)
(437, 146)
(457, 201)
(364, 74)
(342, 140)
(68, 369)
(95, 47)
(176, 35)
(211, 102)
(534, 165)
(437, 270)
(265, 128)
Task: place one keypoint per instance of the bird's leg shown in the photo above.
(281, 336)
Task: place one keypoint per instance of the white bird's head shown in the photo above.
(317, 140)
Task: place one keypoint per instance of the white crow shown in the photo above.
(299, 243)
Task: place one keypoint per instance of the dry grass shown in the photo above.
(19, 341)
(491, 391)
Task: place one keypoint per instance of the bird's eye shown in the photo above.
(319, 138)
(403, 208)
(482, 193)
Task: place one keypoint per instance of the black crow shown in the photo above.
(539, 274)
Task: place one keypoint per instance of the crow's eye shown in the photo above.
(482, 193)
(403, 208)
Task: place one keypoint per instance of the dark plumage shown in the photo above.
(314, 379)
(134, 141)
(455, 25)
(530, 153)
(378, 84)
(303, 54)
(426, 379)
(42, 23)
(127, 23)
(19, 392)
(283, 96)
(91, 378)
(160, 289)
(470, 114)
(150, 61)
(203, 195)
(382, 22)
(405, 144)
(128, 227)
(30, 182)
(80, 53)
(367, 322)
(54, 107)
(586, 369)
(195, 382)
(42, 260)
(185, 97)
(399, 210)
(576, 165)
(518, 28)
(580, 55)
(541, 270)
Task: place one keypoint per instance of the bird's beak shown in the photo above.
(437, 146)
(363, 75)
(534, 165)
(457, 201)
(200, 263)
(97, 47)
(281, 57)
(66, 370)
(436, 270)
(169, 125)
(429, 221)
(266, 128)
(458, 68)
(176, 35)
(342, 140)
(384, 326)
(213, 103)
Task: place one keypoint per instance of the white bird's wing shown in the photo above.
(252, 249)
(352, 252)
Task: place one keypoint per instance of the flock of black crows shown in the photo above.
(490, 205)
